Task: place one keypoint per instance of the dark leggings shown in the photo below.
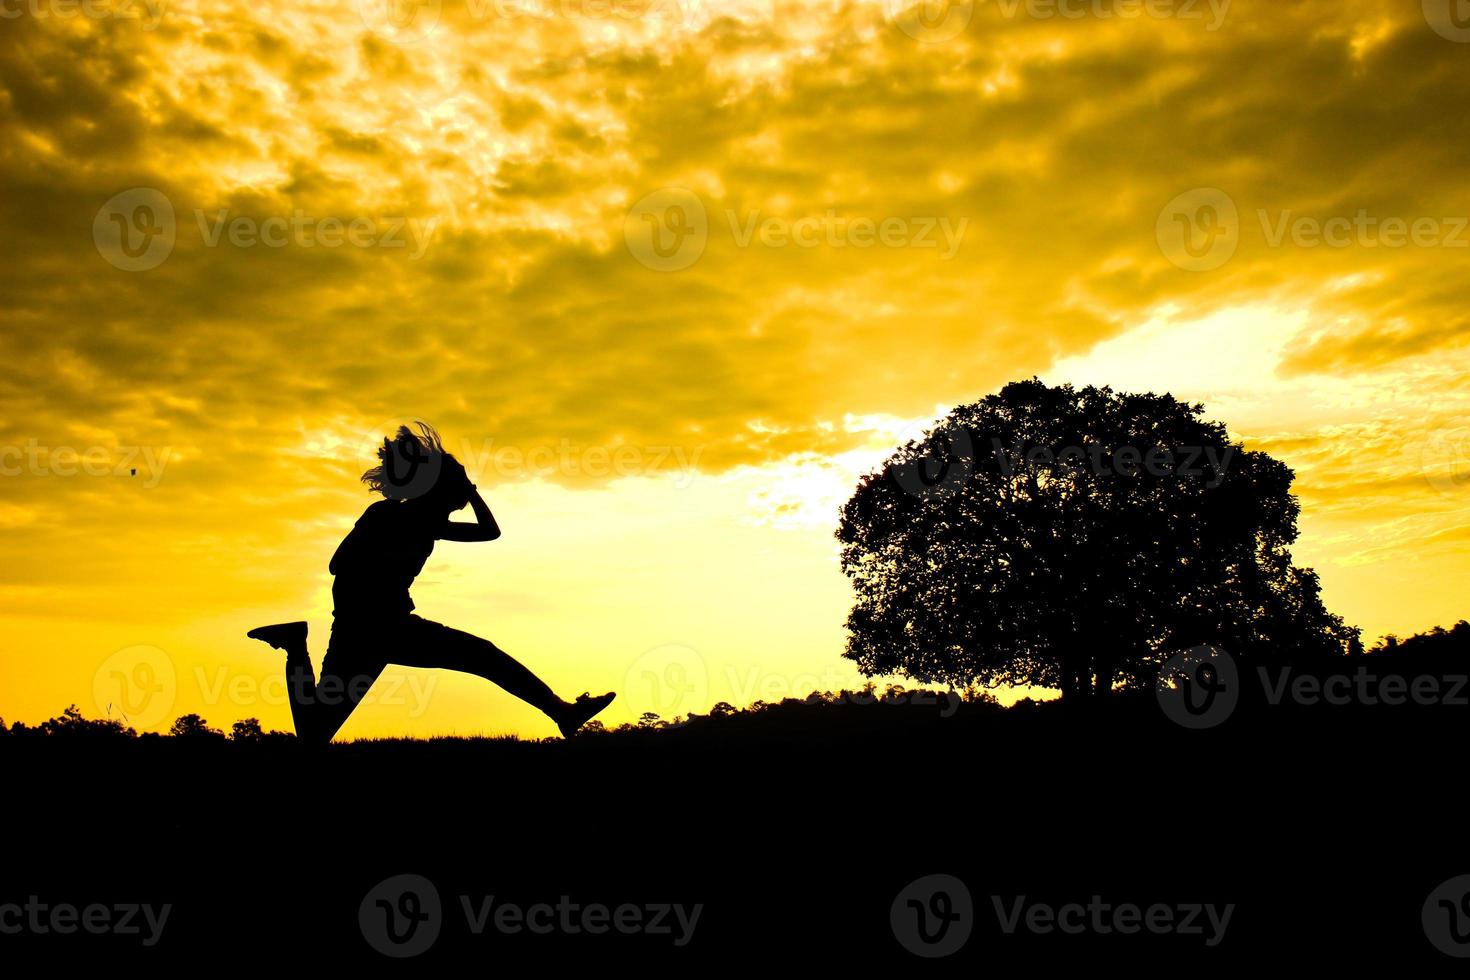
(358, 652)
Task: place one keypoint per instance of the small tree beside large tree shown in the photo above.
(1074, 539)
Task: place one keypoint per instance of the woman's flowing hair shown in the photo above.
(410, 463)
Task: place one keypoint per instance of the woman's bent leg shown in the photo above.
(301, 690)
(300, 679)
(320, 709)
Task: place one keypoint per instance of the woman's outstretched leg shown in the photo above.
(429, 644)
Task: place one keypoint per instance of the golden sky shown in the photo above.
(243, 240)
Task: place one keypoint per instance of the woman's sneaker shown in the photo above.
(290, 637)
(579, 712)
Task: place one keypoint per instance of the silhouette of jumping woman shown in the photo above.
(373, 624)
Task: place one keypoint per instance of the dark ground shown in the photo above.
(1326, 828)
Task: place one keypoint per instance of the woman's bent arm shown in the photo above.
(484, 528)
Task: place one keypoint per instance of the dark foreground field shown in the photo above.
(794, 834)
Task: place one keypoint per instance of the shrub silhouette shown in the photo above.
(1436, 644)
(71, 724)
(249, 730)
(246, 730)
(193, 726)
(1074, 539)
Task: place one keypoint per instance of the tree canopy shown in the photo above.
(1073, 539)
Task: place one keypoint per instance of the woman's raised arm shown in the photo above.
(484, 528)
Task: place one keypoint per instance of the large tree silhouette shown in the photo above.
(1074, 539)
